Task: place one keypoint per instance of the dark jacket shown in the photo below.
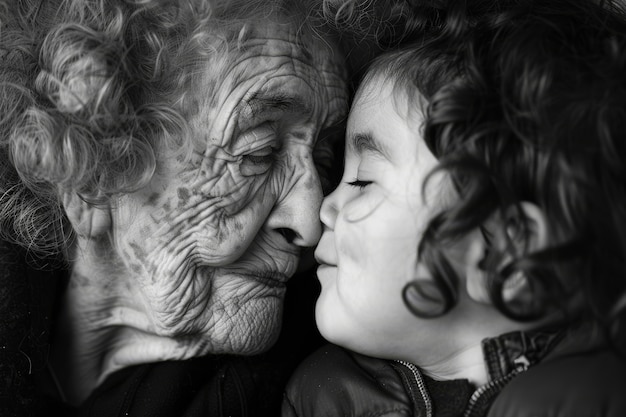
(207, 386)
(534, 374)
(210, 386)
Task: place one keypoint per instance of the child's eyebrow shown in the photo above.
(366, 142)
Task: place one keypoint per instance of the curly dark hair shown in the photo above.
(527, 102)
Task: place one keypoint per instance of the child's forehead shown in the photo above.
(377, 89)
(384, 124)
(373, 87)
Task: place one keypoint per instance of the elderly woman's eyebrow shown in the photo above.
(258, 104)
(366, 142)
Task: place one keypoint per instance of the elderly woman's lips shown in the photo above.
(270, 278)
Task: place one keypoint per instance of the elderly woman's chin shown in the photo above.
(243, 314)
(235, 309)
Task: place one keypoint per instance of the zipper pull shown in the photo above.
(521, 363)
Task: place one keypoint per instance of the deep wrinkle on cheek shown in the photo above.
(213, 174)
(220, 236)
(217, 177)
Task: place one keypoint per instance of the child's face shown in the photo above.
(373, 223)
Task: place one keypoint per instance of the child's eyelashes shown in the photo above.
(359, 183)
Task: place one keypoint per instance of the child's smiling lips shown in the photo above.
(321, 259)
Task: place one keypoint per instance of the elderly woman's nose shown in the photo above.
(296, 216)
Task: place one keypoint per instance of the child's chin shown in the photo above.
(326, 321)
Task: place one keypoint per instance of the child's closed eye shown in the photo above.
(359, 183)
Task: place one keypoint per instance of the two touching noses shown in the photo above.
(328, 211)
(297, 215)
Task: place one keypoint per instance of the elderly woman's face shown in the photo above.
(212, 240)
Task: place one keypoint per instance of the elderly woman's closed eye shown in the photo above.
(178, 143)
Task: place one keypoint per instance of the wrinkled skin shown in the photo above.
(197, 261)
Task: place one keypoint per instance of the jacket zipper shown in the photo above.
(418, 382)
(493, 387)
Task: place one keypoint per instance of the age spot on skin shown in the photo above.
(152, 200)
(138, 251)
(183, 196)
(310, 184)
(238, 226)
(135, 268)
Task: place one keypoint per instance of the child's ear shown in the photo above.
(88, 221)
(536, 237)
(504, 239)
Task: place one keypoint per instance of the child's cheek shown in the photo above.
(362, 207)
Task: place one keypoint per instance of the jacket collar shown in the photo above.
(518, 350)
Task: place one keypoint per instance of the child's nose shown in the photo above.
(329, 210)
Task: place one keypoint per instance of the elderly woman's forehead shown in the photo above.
(273, 48)
(294, 38)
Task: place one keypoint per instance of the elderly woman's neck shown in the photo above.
(102, 327)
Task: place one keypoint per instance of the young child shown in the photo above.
(477, 241)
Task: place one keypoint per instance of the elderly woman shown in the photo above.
(166, 150)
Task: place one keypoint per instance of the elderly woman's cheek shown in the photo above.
(242, 212)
